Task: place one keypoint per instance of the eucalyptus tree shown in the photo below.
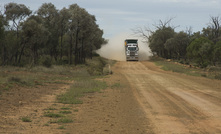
(16, 13)
(1, 27)
(64, 16)
(2, 35)
(158, 40)
(35, 37)
(200, 51)
(92, 37)
(177, 45)
(215, 28)
(50, 16)
(85, 33)
(75, 27)
(217, 53)
(47, 32)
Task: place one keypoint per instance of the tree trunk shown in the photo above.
(4, 55)
(76, 47)
(70, 51)
(61, 53)
(20, 55)
(82, 51)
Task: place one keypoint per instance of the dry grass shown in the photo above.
(210, 72)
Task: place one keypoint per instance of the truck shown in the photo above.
(131, 49)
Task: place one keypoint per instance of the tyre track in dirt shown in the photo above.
(175, 103)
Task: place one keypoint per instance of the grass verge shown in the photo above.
(26, 119)
(186, 69)
(79, 88)
(53, 115)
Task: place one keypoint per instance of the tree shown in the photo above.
(35, 36)
(49, 14)
(200, 50)
(217, 53)
(158, 40)
(82, 27)
(74, 28)
(63, 26)
(215, 28)
(177, 45)
(2, 36)
(16, 13)
(48, 32)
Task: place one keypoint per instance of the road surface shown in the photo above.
(140, 99)
(174, 103)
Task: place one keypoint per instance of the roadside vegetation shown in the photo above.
(83, 85)
(83, 79)
(174, 66)
(47, 36)
(83, 75)
(201, 49)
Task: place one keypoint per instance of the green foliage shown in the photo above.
(48, 32)
(1, 28)
(217, 53)
(46, 61)
(16, 11)
(171, 66)
(65, 108)
(176, 46)
(79, 88)
(65, 112)
(158, 39)
(65, 120)
(115, 86)
(96, 66)
(61, 127)
(201, 51)
(26, 119)
(53, 115)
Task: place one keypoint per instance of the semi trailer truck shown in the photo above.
(131, 49)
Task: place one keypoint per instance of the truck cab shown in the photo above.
(131, 49)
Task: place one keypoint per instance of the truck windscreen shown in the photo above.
(131, 41)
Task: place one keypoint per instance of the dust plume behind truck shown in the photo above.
(131, 49)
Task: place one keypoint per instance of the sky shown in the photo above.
(120, 16)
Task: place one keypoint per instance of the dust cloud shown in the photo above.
(115, 48)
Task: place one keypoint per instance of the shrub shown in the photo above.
(218, 76)
(14, 79)
(65, 120)
(17, 80)
(53, 115)
(45, 61)
(26, 119)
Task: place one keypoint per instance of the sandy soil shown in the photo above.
(141, 98)
(175, 103)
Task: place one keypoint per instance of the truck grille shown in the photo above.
(132, 53)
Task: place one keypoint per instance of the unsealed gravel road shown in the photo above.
(174, 103)
(140, 99)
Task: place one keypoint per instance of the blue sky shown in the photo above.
(120, 16)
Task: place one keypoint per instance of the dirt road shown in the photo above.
(140, 99)
(174, 103)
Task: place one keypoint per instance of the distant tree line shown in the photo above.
(202, 48)
(65, 36)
